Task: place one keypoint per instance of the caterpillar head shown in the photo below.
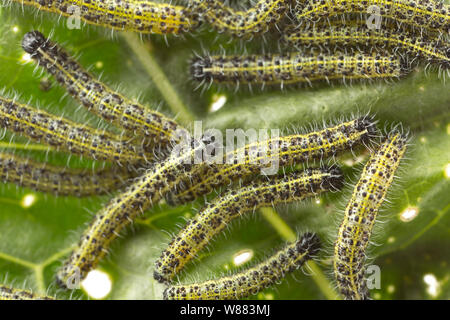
(32, 41)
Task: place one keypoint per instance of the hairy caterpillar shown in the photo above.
(61, 133)
(129, 15)
(165, 176)
(215, 216)
(58, 180)
(429, 14)
(285, 150)
(396, 38)
(256, 20)
(121, 211)
(360, 215)
(295, 67)
(253, 280)
(96, 96)
(7, 293)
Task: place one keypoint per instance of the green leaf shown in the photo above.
(34, 240)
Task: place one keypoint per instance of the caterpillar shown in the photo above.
(396, 38)
(96, 96)
(63, 134)
(282, 151)
(58, 180)
(428, 14)
(253, 280)
(360, 215)
(7, 293)
(215, 216)
(127, 15)
(121, 211)
(294, 67)
(256, 20)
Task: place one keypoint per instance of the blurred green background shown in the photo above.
(413, 255)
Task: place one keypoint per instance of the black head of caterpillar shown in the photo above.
(215, 216)
(197, 66)
(335, 181)
(32, 41)
(253, 280)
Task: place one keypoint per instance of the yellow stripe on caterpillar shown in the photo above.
(8, 293)
(429, 14)
(64, 134)
(253, 280)
(96, 96)
(295, 67)
(120, 211)
(60, 181)
(214, 217)
(360, 215)
(284, 151)
(126, 15)
(256, 20)
(395, 38)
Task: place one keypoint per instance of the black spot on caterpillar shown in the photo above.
(61, 181)
(215, 216)
(127, 15)
(428, 14)
(256, 20)
(96, 96)
(396, 38)
(287, 150)
(294, 67)
(7, 293)
(253, 280)
(360, 215)
(63, 134)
